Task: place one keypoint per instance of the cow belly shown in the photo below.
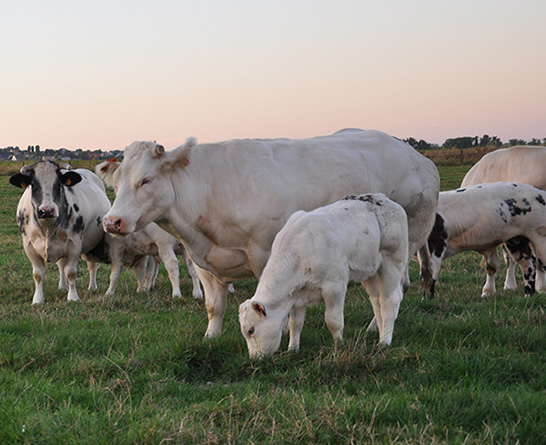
(227, 263)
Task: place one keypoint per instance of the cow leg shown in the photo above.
(390, 297)
(196, 292)
(92, 267)
(215, 301)
(295, 322)
(510, 280)
(38, 272)
(152, 270)
(334, 301)
(71, 271)
(171, 264)
(140, 274)
(519, 250)
(539, 243)
(491, 263)
(117, 267)
(62, 277)
(372, 289)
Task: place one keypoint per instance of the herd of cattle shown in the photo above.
(305, 217)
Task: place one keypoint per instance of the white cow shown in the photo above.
(522, 163)
(143, 250)
(60, 218)
(481, 217)
(226, 201)
(314, 257)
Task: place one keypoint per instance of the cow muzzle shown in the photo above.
(114, 225)
(47, 213)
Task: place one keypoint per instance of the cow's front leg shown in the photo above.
(38, 272)
(71, 272)
(295, 323)
(215, 301)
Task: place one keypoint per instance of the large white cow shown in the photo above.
(60, 218)
(227, 201)
(315, 256)
(481, 217)
(521, 163)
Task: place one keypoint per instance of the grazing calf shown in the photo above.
(60, 218)
(314, 257)
(480, 218)
(522, 163)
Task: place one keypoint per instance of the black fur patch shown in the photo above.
(460, 190)
(364, 198)
(540, 200)
(514, 209)
(76, 208)
(79, 225)
(437, 238)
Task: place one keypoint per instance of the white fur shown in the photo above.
(315, 256)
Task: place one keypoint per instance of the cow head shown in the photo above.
(144, 191)
(262, 331)
(47, 181)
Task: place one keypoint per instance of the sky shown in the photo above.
(101, 74)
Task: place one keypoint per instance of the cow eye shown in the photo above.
(145, 181)
(250, 331)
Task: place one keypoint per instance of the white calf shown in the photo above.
(314, 257)
(481, 217)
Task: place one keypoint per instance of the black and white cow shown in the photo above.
(60, 218)
(482, 217)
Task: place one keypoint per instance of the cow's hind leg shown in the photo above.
(196, 291)
(62, 277)
(334, 301)
(519, 250)
(372, 289)
(491, 263)
(71, 271)
(92, 268)
(295, 322)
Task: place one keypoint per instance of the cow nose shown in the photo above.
(112, 224)
(46, 212)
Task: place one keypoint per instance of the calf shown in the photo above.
(314, 257)
(480, 218)
(151, 240)
(60, 217)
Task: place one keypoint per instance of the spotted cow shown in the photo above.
(314, 257)
(60, 218)
(480, 218)
(521, 163)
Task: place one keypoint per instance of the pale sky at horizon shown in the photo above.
(104, 73)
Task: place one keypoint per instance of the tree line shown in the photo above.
(471, 142)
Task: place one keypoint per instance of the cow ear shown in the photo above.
(182, 153)
(105, 170)
(158, 151)
(259, 308)
(70, 178)
(20, 180)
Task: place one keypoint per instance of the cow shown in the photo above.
(521, 163)
(60, 218)
(151, 241)
(480, 218)
(315, 256)
(226, 201)
(143, 250)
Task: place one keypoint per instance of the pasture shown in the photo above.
(135, 368)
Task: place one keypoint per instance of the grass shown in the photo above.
(135, 368)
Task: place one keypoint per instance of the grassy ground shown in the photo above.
(135, 368)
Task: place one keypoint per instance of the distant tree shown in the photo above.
(461, 142)
(37, 149)
(512, 142)
(419, 145)
(534, 141)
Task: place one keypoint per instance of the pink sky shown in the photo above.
(101, 74)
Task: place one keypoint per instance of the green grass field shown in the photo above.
(135, 368)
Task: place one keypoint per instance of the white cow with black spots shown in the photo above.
(480, 218)
(60, 218)
(314, 257)
(521, 163)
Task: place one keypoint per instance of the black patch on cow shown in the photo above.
(22, 220)
(540, 200)
(460, 190)
(99, 253)
(99, 221)
(516, 210)
(79, 225)
(437, 238)
(520, 248)
(76, 208)
(364, 198)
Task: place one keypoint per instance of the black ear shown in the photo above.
(70, 178)
(20, 180)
